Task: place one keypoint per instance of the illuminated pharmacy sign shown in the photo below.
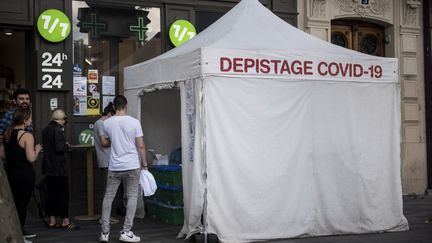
(181, 31)
(53, 25)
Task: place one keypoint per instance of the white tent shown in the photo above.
(283, 135)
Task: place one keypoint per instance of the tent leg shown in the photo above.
(205, 216)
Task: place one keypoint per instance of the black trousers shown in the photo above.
(22, 181)
(58, 196)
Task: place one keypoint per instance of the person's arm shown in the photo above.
(141, 151)
(60, 141)
(5, 121)
(105, 141)
(31, 150)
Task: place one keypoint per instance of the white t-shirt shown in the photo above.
(103, 153)
(123, 131)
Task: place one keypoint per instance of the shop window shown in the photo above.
(106, 40)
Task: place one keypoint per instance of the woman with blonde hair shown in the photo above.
(21, 152)
(54, 168)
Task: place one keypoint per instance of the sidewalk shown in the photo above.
(417, 210)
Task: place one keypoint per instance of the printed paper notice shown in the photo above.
(80, 86)
(92, 106)
(92, 76)
(108, 85)
(80, 105)
(106, 100)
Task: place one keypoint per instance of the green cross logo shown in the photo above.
(93, 25)
(181, 31)
(53, 25)
(140, 28)
(86, 137)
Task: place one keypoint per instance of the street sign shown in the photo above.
(53, 25)
(181, 31)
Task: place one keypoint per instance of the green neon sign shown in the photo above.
(53, 25)
(140, 28)
(181, 31)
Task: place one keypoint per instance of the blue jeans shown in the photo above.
(131, 179)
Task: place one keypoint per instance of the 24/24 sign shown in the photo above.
(54, 69)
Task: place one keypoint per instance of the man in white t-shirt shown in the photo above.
(127, 157)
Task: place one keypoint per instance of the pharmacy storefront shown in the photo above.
(71, 55)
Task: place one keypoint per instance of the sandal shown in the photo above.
(70, 226)
(53, 226)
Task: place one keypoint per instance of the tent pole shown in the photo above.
(205, 215)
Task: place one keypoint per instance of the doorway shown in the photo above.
(360, 36)
(14, 65)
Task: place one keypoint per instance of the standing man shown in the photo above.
(103, 153)
(127, 158)
(22, 100)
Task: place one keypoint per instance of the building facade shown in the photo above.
(391, 29)
(83, 72)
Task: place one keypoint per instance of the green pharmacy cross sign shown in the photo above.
(93, 25)
(53, 25)
(140, 28)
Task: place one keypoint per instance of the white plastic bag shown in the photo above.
(148, 183)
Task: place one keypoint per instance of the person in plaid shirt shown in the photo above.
(22, 99)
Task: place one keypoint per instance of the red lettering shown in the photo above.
(275, 65)
(224, 68)
(238, 64)
(333, 69)
(285, 67)
(344, 70)
(296, 67)
(248, 63)
(358, 70)
(265, 68)
(322, 73)
(307, 68)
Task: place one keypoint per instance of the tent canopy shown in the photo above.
(283, 134)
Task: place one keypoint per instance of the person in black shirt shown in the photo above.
(21, 152)
(54, 169)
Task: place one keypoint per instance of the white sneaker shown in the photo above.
(129, 237)
(104, 237)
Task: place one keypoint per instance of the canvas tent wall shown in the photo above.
(291, 136)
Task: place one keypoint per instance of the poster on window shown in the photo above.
(106, 100)
(93, 106)
(80, 105)
(79, 86)
(92, 76)
(108, 85)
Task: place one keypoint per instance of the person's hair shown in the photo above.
(120, 102)
(19, 117)
(58, 114)
(20, 91)
(108, 109)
